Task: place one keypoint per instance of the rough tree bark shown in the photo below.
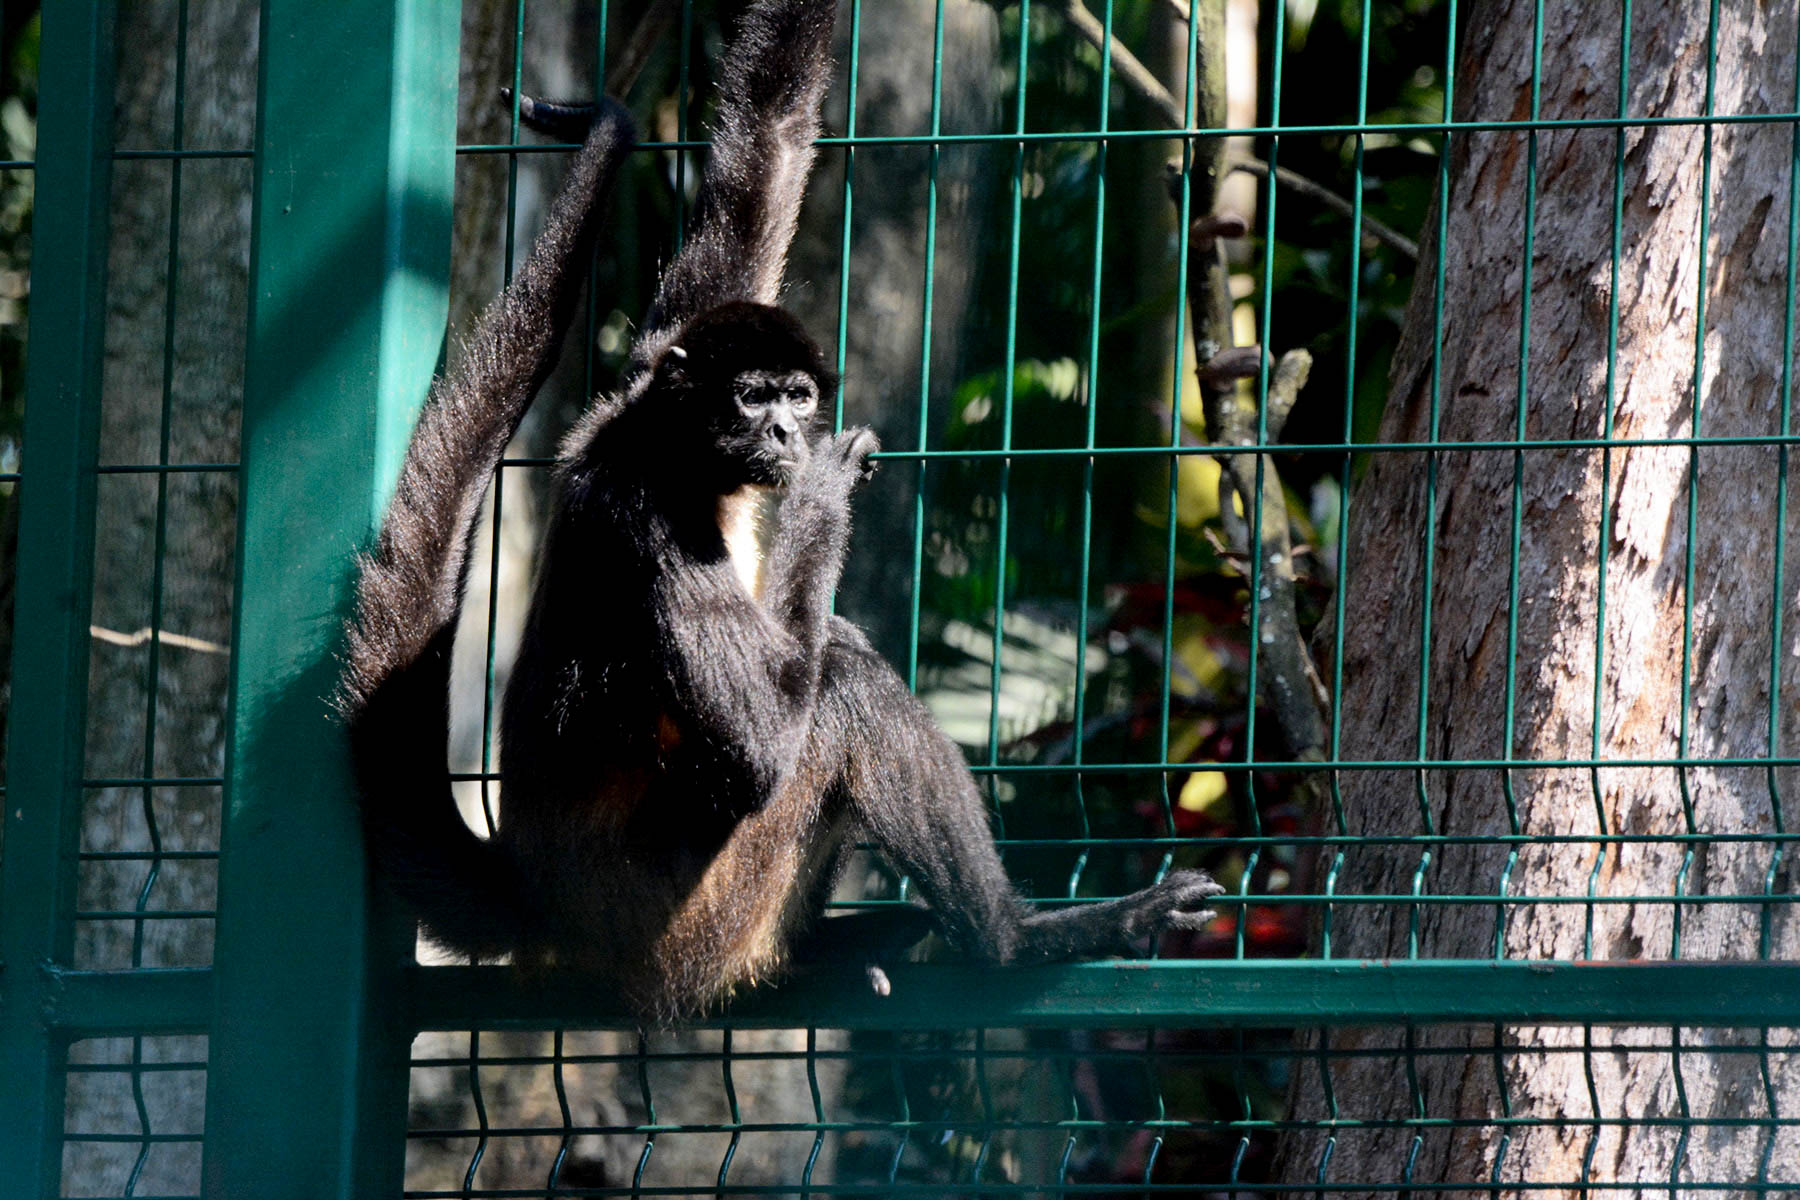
(189, 352)
(1631, 505)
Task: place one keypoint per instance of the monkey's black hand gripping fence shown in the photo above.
(199, 994)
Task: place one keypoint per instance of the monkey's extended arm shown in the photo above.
(395, 685)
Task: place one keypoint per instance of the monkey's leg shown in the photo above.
(906, 782)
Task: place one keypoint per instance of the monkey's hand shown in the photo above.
(840, 462)
(1178, 901)
(806, 553)
(854, 446)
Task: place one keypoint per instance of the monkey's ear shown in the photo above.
(671, 366)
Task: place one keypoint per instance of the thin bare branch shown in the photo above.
(141, 637)
(1284, 388)
(1385, 234)
(636, 54)
(1125, 64)
(1140, 80)
(1290, 680)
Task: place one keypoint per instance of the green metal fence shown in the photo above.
(232, 324)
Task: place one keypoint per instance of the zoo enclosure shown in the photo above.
(302, 983)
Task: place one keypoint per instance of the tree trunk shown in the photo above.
(889, 257)
(1658, 532)
(159, 668)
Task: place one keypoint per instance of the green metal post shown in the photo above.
(55, 569)
(351, 236)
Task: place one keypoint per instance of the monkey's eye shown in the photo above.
(755, 389)
(795, 390)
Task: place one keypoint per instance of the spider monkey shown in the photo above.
(691, 738)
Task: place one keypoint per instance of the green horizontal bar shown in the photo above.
(1396, 764)
(1164, 134)
(169, 155)
(1107, 1188)
(1349, 128)
(103, 1003)
(148, 914)
(1353, 840)
(1440, 899)
(1270, 993)
(188, 1065)
(1376, 764)
(166, 468)
(1117, 1125)
(1771, 440)
(939, 1050)
(147, 855)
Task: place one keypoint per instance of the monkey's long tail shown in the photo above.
(465, 891)
(396, 683)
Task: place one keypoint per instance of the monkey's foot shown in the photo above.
(1178, 901)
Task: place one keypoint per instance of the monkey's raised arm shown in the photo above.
(411, 586)
(772, 80)
(396, 676)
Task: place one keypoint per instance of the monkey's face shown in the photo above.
(766, 427)
(744, 381)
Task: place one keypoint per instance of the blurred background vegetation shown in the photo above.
(1155, 546)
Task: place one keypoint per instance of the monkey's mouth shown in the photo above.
(773, 470)
(782, 459)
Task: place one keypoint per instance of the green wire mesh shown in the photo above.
(996, 561)
(1005, 1112)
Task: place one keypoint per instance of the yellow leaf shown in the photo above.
(1202, 790)
(1185, 738)
(1197, 489)
(1199, 668)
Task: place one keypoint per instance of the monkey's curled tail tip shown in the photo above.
(567, 121)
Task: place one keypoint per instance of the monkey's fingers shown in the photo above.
(1192, 922)
(857, 444)
(1186, 895)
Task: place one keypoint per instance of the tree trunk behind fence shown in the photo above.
(1631, 506)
